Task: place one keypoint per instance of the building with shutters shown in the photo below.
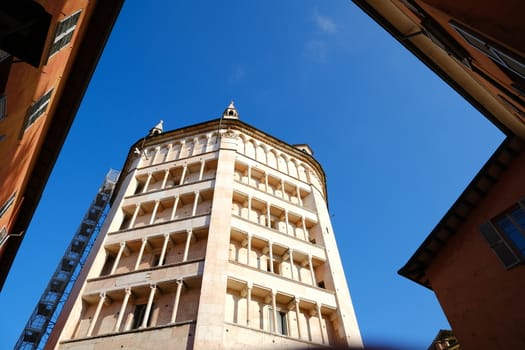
(48, 52)
(219, 237)
(473, 259)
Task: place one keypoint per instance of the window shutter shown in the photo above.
(498, 245)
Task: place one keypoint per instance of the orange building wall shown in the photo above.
(500, 23)
(483, 301)
(19, 150)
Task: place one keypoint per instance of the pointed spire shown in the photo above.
(158, 129)
(230, 112)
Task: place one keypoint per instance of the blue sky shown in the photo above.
(398, 145)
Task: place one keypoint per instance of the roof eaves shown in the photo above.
(489, 174)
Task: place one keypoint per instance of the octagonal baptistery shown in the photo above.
(218, 238)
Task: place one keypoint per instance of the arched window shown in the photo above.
(249, 150)
(272, 159)
(261, 154)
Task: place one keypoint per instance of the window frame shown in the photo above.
(282, 320)
(500, 241)
(7, 204)
(491, 50)
(4, 235)
(64, 32)
(37, 109)
(139, 312)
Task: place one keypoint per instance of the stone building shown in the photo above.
(219, 237)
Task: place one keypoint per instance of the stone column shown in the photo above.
(320, 316)
(268, 216)
(122, 309)
(177, 300)
(174, 210)
(187, 246)
(248, 302)
(168, 150)
(310, 264)
(270, 244)
(274, 311)
(299, 199)
(153, 289)
(134, 217)
(287, 231)
(249, 248)
(249, 207)
(164, 248)
(205, 148)
(101, 300)
(201, 172)
(154, 212)
(195, 142)
(141, 252)
(165, 179)
(119, 255)
(146, 185)
(157, 151)
(297, 313)
(305, 230)
(290, 253)
(184, 170)
(195, 203)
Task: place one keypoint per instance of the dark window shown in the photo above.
(283, 326)
(282, 322)
(320, 284)
(3, 103)
(506, 236)
(126, 221)
(156, 260)
(500, 56)
(140, 187)
(139, 314)
(108, 265)
(37, 109)
(439, 36)
(64, 33)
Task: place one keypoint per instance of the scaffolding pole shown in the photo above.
(44, 316)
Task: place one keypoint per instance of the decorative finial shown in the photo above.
(230, 112)
(158, 129)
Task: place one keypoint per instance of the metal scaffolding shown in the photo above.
(44, 316)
